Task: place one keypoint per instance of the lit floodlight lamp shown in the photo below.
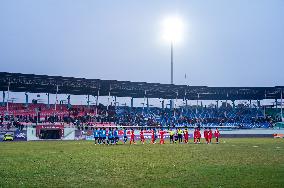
(173, 29)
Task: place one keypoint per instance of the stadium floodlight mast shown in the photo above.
(173, 28)
(172, 32)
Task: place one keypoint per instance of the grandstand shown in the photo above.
(82, 116)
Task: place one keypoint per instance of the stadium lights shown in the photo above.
(173, 28)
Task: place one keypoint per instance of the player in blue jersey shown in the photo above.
(96, 135)
(115, 135)
(124, 135)
(104, 136)
(110, 137)
(100, 135)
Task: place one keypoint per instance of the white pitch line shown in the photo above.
(255, 146)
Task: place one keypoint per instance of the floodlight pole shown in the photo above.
(172, 63)
(172, 70)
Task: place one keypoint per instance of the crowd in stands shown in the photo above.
(82, 116)
(242, 117)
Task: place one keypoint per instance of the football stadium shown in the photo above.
(67, 118)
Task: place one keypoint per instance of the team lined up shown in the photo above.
(111, 136)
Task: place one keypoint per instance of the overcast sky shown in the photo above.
(226, 43)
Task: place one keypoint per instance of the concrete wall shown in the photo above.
(69, 134)
(31, 134)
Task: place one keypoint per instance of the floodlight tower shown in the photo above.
(172, 63)
(173, 30)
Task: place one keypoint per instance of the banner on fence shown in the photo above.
(17, 135)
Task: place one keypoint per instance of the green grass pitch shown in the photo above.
(247, 162)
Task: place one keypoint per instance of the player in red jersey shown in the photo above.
(198, 134)
(142, 139)
(195, 136)
(185, 134)
(210, 134)
(153, 141)
(205, 134)
(132, 137)
(217, 135)
(162, 141)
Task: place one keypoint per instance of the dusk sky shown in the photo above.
(225, 43)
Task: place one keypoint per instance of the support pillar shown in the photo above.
(88, 100)
(144, 100)
(233, 102)
(27, 99)
(132, 101)
(3, 97)
(8, 96)
(264, 111)
(197, 100)
(68, 101)
(56, 97)
(48, 104)
(227, 100)
(108, 100)
(97, 102)
(258, 103)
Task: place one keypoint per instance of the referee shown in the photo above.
(172, 132)
(180, 135)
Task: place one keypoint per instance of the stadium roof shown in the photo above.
(81, 86)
